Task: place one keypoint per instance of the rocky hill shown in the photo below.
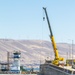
(33, 51)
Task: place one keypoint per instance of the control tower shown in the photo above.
(16, 62)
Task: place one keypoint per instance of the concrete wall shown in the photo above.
(50, 70)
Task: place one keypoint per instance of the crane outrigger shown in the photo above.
(57, 58)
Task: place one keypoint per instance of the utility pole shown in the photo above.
(8, 60)
(72, 52)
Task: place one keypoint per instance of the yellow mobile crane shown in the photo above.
(57, 58)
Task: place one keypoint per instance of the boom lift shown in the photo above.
(57, 58)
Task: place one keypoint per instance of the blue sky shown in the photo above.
(22, 19)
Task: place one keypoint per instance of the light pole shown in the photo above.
(72, 52)
(69, 51)
(72, 42)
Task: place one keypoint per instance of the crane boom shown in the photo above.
(57, 58)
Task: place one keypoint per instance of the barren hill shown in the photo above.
(33, 51)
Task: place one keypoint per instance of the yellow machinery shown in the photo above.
(57, 58)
